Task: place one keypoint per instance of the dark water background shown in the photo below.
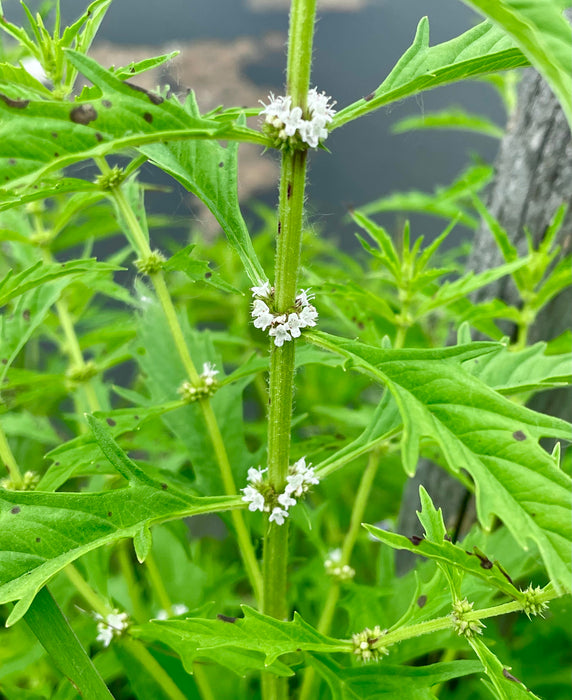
(353, 53)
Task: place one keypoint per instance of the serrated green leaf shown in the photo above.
(198, 270)
(503, 684)
(542, 33)
(452, 118)
(137, 67)
(387, 681)
(254, 632)
(482, 432)
(38, 274)
(510, 372)
(483, 49)
(40, 533)
(17, 83)
(445, 552)
(142, 543)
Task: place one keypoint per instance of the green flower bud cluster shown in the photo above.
(364, 644)
(462, 626)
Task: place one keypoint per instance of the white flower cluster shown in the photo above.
(260, 496)
(290, 121)
(207, 386)
(335, 569)
(113, 625)
(177, 609)
(284, 326)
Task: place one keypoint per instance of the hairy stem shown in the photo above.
(281, 382)
(7, 456)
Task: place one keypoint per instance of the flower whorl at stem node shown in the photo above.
(285, 326)
(111, 179)
(260, 495)
(334, 568)
(150, 264)
(290, 128)
(462, 626)
(28, 483)
(364, 644)
(207, 387)
(533, 603)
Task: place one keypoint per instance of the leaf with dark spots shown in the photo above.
(421, 601)
(83, 114)
(148, 117)
(12, 161)
(107, 104)
(486, 563)
(519, 435)
(164, 486)
(110, 422)
(15, 510)
(98, 137)
(369, 97)
(17, 104)
(226, 618)
(155, 99)
(26, 314)
(414, 539)
(510, 677)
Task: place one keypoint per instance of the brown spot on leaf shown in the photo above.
(136, 417)
(55, 134)
(98, 137)
(17, 104)
(164, 487)
(369, 97)
(110, 422)
(486, 563)
(221, 164)
(289, 191)
(38, 539)
(208, 275)
(56, 155)
(107, 104)
(15, 510)
(26, 314)
(148, 117)
(109, 514)
(4, 361)
(226, 618)
(414, 539)
(504, 572)
(279, 227)
(421, 601)
(12, 161)
(83, 114)
(510, 677)
(519, 435)
(155, 99)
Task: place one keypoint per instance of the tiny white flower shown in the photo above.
(312, 132)
(304, 297)
(286, 500)
(263, 318)
(308, 315)
(280, 334)
(299, 467)
(256, 476)
(293, 121)
(113, 625)
(318, 104)
(264, 290)
(180, 609)
(254, 498)
(161, 615)
(209, 373)
(294, 325)
(278, 515)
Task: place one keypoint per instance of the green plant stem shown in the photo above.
(7, 456)
(133, 587)
(202, 682)
(138, 650)
(158, 280)
(157, 584)
(93, 599)
(358, 510)
(281, 381)
(72, 347)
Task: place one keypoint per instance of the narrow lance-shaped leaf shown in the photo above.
(40, 533)
(482, 432)
(483, 49)
(542, 33)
